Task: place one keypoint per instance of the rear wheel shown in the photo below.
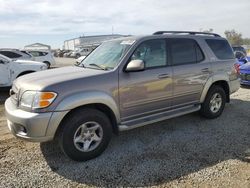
(85, 134)
(47, 63)
(214, 103)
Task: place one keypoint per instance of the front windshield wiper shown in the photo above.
(99, 66)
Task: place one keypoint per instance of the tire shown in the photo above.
(47, 63)
(72, 131)
(208, 108)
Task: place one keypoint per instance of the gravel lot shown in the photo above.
(187, 151)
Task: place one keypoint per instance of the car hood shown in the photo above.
(29, 62)
(47, 78)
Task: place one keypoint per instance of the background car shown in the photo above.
(15, 54)
(245, 74)
(240, 48)
(243, 67)
(43, 56)
(82, 52)
(12, 69)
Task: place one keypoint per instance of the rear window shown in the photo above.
(221, 49)
(10, 54)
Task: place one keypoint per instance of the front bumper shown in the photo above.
(27, 125)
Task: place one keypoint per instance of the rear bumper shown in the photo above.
(234, 85)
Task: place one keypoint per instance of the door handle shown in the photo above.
(162, 76)
(206, 70)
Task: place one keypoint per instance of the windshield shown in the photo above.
(107, 55)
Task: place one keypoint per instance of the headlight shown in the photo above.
(36, 99)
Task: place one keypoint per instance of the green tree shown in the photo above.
(234, 37)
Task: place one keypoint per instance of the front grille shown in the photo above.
(245, 77)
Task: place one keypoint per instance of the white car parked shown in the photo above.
(43, 56)
(12, 69)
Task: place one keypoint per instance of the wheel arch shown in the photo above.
(219, 81)
(98, 106)
(96, 100)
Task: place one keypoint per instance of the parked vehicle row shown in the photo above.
(75, 53)
(123, 84)
(34, 55)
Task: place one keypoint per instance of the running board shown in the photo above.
(132, 124)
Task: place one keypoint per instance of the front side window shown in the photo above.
(185, 51)
(221, 49)
(152, 52)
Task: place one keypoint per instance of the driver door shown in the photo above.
(4, 73)
(147, 92)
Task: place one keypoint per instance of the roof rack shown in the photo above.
(185, 32)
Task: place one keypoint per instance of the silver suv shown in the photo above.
(123, 84)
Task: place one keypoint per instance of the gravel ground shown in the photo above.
(187, 151)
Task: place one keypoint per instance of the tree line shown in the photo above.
(234, 37)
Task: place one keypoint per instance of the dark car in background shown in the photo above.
(239, 49)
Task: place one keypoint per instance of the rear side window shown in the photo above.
(10, 54)
(221, 49)
(185, 51)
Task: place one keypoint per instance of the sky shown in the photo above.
(51, 22)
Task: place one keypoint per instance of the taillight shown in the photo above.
(237, 68)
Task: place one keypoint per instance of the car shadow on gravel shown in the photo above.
(4, 94)
(162, 152)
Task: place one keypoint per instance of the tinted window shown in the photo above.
(185, 51)
(221, 48)
(26, 53)
(152, 52)
(10, 54)
(37, 54)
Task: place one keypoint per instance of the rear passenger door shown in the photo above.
(191, 70)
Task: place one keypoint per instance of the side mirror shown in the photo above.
(135, 65)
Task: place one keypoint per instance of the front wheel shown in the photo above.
(85, 134)
(214, 103)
